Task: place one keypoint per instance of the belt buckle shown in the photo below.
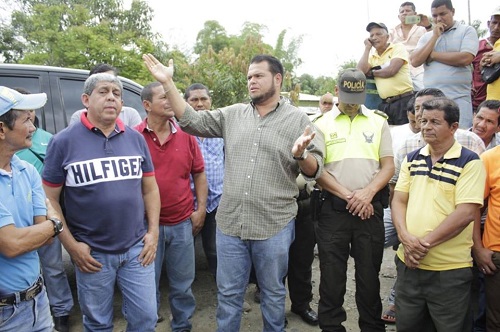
(31, 293)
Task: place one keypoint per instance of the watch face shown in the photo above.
(58, 226)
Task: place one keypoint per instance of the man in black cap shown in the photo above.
(358, 165)
(388, 65)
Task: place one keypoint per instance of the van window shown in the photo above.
(71, 91)
(32, 84)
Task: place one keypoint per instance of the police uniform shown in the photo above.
(353, 152)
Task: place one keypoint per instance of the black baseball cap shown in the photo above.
(371, 25)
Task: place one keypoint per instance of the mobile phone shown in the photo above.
(412, 19)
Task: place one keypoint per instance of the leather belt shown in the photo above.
(394, 98)
(24, 295)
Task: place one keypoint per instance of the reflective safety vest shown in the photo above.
(356, 139)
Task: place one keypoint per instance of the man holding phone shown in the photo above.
(388, 65)
(408, 32)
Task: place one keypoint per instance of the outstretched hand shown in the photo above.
(159, 71)
(303, 141)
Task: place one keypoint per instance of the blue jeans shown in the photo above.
(234, 261)
(56, 281)
(33, 315)
(136, 283)
(176, 249)
(208, 238)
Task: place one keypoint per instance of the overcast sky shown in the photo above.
(333, 31)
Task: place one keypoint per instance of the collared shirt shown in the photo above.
(36, 154)
(434, 192)
(495, 140)
(259, 197)
(21, 199)
(464, 137)
(354, 147)
(212, 150)
(175, 160)
(454, 81)
(103, 181)
(399, 83)
(129, 116)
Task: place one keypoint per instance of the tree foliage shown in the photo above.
(81, 34)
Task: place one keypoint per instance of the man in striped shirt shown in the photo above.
(438, 193)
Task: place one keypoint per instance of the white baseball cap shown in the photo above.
(11, 99)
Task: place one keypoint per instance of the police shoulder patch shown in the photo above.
(382, 114)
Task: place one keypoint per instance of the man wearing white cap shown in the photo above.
(27, 222)
(358, 165)
(54, 276)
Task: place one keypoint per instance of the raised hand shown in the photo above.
(159, 71)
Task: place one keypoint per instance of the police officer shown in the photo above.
(358, 166)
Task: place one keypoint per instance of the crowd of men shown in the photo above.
(263, 184)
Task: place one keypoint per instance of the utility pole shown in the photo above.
(468, 10)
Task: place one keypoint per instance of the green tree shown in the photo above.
(80, 34)
(476, 24)
(214, 35)
(223, 60)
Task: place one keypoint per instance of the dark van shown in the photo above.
(64, 87)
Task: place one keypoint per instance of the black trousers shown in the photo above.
(396, 110)
(301, 257)
(340, 235)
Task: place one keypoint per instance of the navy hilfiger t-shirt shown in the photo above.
(103, 183)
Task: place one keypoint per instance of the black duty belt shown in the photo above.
(394, 98)
(24, 295)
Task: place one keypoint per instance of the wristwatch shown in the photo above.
(301, 157)
(58, 226)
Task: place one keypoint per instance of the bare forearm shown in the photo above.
(201, 190)
(309, 166)
(476, 233)
(152, 205)
(327, 182)
(452, 225)
(363, 63)
(455, 59)
(17, 241)
(178, 104)
(419, 56)
(399, 205)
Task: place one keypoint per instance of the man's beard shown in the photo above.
(265, 96)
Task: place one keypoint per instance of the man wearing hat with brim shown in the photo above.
(51, 256)
(27, 222)
(388, 65)
(358, 165)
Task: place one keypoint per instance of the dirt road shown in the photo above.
(205, 292)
